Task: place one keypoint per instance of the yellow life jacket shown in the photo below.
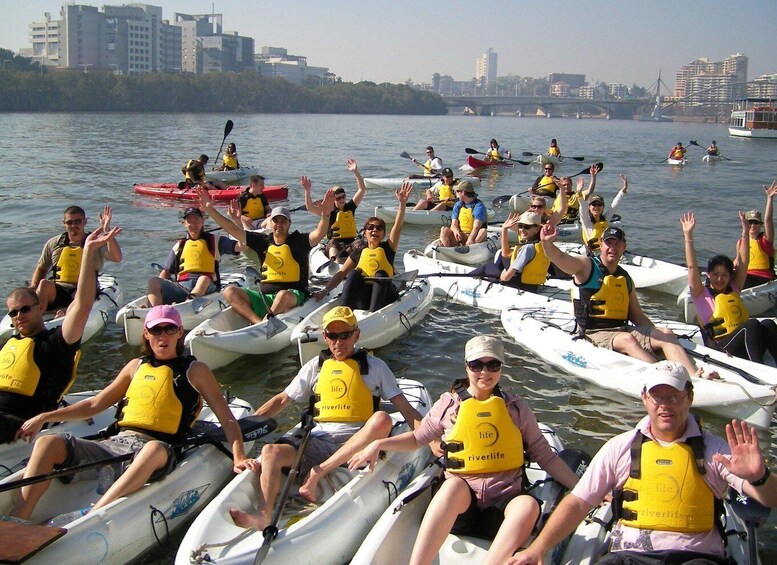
(196, 257)
(547, 186)
(279, 265)
(759, 258)
(230, 161)
(160, 398)
(254, 208)
(69, 265)
(730, 313)
(536, 270)
(373, 260)
(484, 438)
(593, 240)
(553, 150)
(667, 491)
(447, 194)
(611, 301)
(340, 394)
(189, 175)
(494, 154)
(678, 154)
(344, 226)
(19, 373)
(428, 168)
(466, 219)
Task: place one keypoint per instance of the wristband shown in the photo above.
(763, 479)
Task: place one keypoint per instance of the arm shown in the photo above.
(336, 279)
(369, 455)
(403, 194)
(236, 215)
(312, 207)
(576, 265)
(688, 222)
(274, 406)
(742, 259)
(525, 255)
(556, 216)
(476, 225)
(113, 251)
(769, 212)
(206, 204)
(512, 219)
(361, 188)
(323, 223)
(593, 171)
(410, 414)
(562, 473)
(636, 315)
(621, 193)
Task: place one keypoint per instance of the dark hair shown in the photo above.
(494, 142)
(716, 260)
(73, 210)
(430, 148)
(204, 157)
(255, 178)
(145, 347)
(231, 146)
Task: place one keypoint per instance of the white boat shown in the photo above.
(109, 297)
(392, 538)
(567, 231)
(473, 255)
(321, 268)
(329, 533)
(235, 176)
(193, 311)
(755, 118)
(682, 161)
(13, 456)
(421, 217)
(377, 329)
(711, 158)
(549, 333)
(126, 528)
(549, 159)
(395, 183)
(757, 300)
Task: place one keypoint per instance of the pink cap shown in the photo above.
(164, 314)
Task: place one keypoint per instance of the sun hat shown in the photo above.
(530, 218)
(339, 314)
(484, 346)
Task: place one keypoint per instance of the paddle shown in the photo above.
(227, 129)
(707, 359)
(274, 325)
(692, 142)
(500, 201)
(528, 154)
(271, 531)
(412, 275)
(251, 427)
(470, 151)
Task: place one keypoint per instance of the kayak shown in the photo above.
(329, 533)
(549, 332)
(476, 163)
(109, 297)
(421, 217)
(171, 190)
(567, 231)
(13, 456)
(682, 161)
(377, 329)
(392, 538)
(126, 528)
(549, 159)
(757, 300)
(235, 176)
(711, 158)
(475, 255)
(395, 183)
(192, 311)
(321, 267)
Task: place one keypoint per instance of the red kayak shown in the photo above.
(476, 163)
(171, 190)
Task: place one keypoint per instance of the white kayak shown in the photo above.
(711, 158)
(13, 456)
(329, 533)
(321, 268)
(104, 308)
(757, 300)
(474, 255)
(682, 161)
(549, 159)
(126, 528)
(392, 538)
(548, 333)
(235, 176)
(568, 231)
(193, 311)
(421, 217)
(395, 183)
(376, 329)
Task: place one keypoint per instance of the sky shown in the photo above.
(615, 41)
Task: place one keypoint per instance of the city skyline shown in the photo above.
(407, 44)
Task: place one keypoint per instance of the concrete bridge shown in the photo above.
(551, 106)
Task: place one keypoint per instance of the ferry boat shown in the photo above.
(755, 118)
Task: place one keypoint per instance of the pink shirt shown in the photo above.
(489, 488)
(705, 304)
(609, 470)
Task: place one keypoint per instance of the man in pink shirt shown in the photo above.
(667, 512)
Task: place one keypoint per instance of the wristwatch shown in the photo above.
(763, 479)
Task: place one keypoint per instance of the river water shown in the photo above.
(56, 160)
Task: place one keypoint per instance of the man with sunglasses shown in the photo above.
(341, 429)
(667, 478)
(442, 196)
(432, 166)
(760, 268)
(61, 256)
(37, 365)
(546, 184)
(469, 219)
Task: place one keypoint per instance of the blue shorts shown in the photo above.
(174, 292)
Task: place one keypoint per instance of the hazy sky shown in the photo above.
(620, 41)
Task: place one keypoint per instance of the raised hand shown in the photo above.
(305, 183)
(746, 460)
(512, 219)
(351, 164)
(203, 197)
(548, 233)
(235, 212)
(100, 237)
(403, 193)
(105, 218)
(328, 203)
(688, 222)
(771, 190)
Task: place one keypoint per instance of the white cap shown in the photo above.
(667, 373)
(484, 346)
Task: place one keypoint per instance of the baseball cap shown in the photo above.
(484, 346)
(466, 187)
(531, 218)
(666, 373)
(339, 314)
(446, 172)
(163, 314)
(614, 233)
(596, 198)
(754, 215)
(281, 211)
(339, 189)
(192, 210)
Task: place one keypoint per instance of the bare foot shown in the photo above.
(246, 520)
(308, 489)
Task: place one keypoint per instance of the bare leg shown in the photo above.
(47, 452)
(201, 286)
(154, 291)
(151, 457)
(422, 205)
(446, 237)
(47, 293)
(662, 339)
(238, 299)
(520, 515)
(627, 344)
(451, 500)
(284, 301)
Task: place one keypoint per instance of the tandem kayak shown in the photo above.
(474, 255)
(476, 163)
(421, 217)
(234, 176)
(682, 161)
(757, 300)
(395, 183)
(325, 534)
(171, 190)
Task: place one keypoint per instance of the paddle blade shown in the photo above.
(500, 201)
(200, 303)
(470, 151)
(587, 170)
(228, 128)
(527, 153)
(521, 162)
(158, 267)
(577, 158)
(274, 326)
(254, 274)
(692, 142)
(405, 155)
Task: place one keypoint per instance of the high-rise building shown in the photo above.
(485, 70)
(206, 48)
(572, 80)
(44, 38)
(703, 81)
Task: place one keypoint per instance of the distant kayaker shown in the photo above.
(61, 256)
(230, 162)
(38, 365)
(192, 266)
(341, 429)
(677, 152)
(284, 256)
(375, 259)
(482, 494)
(719, 308)
(595, 222)
(495, 154)
(712, 150)
(760, 269)
(194, 174)
(177, 382)
(442, 196)
(547, 183)
(254, 207)
(469, 219)
(432, 166)
(667, 499)
(554, 150)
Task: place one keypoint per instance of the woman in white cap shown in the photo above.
(482, 494)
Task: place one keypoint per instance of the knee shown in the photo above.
(232, 293)
(50, 444)
(664, 334)
(379, 424)
(154, 285)
(154, 452)
(271, 454)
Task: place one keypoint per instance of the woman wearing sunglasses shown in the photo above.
(595, 222)
(482, 494)
(760, 270)
(376, 259)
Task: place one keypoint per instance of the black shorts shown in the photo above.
(9, 425)
(64, 297)
(482, 522)
(663, 558)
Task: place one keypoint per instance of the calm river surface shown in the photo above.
(56, 160)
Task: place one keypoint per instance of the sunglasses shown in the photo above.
(477, 365)
(340, 197)
(23, 310)
(526, 226)
(159, 330)
(342, 336)
(753, 222)
(548, 169)
(537, 206)
(76, 222)
(669, 400)
(374, 227)
(597, 204)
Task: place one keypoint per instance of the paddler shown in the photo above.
(442, 196)
(495, 154)
(375, 259)
(230, 162)
(483, 493)
(254, 207)
(192, 266)
(178, 382)
(760, 269)
(667, 498)
(340, 430)
(284, 256)
(61, 256)
(469, 219)
(38, 365)
(194, 174)
(677, 152)
(432, 166)
(546, 184)
(554, 150)
(713, 150)
(594, 222)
